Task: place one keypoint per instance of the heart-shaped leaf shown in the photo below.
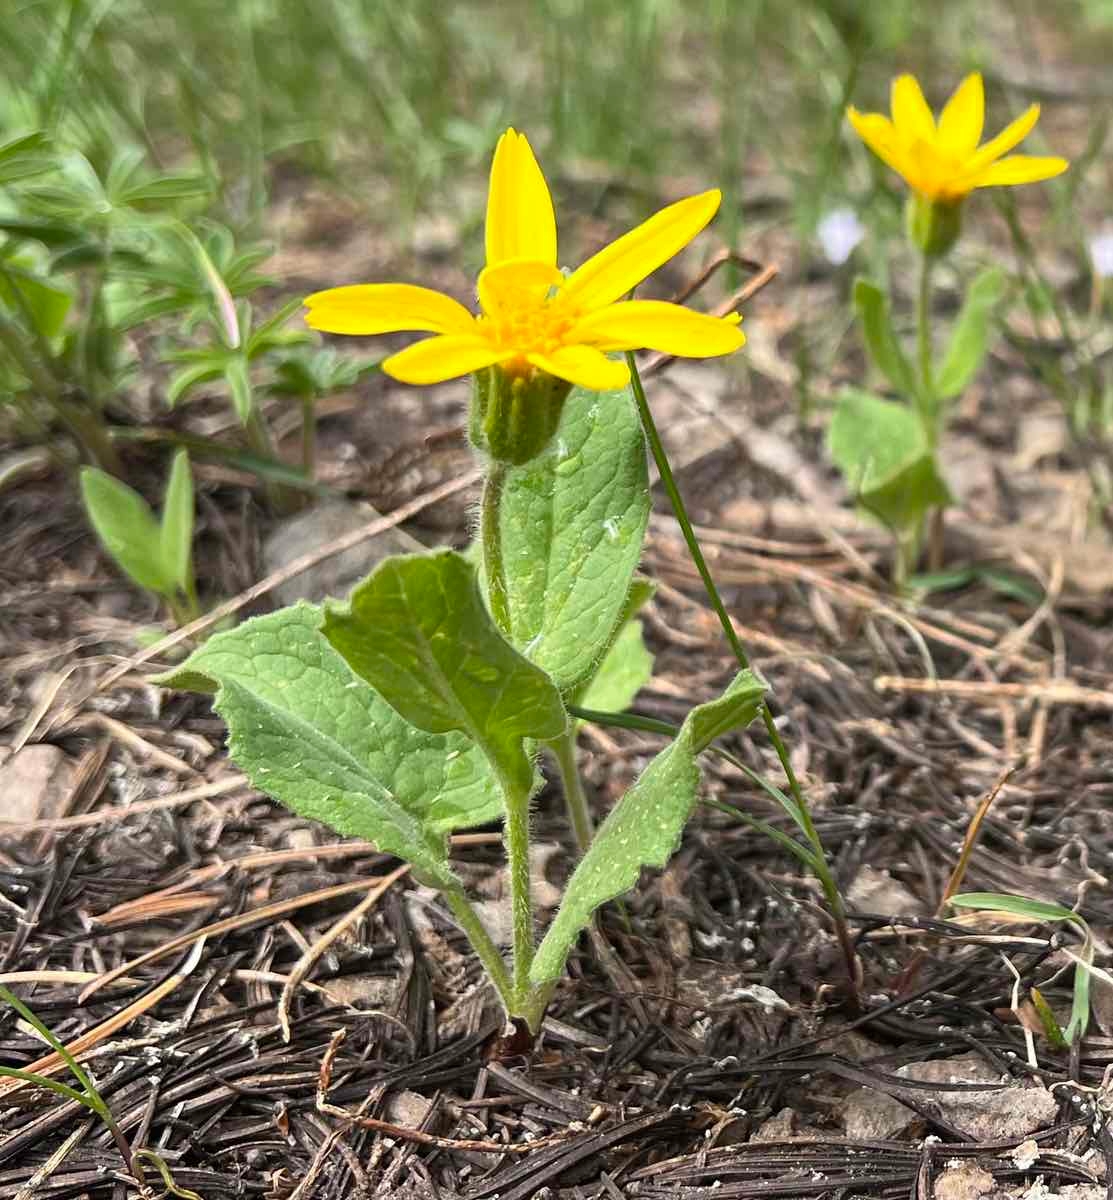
(320, 740)
(881, 449)
(572, 524)
(418, 631)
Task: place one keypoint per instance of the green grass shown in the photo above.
(418, 90)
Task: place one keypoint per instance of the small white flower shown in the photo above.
(839, 232)
(1101, 252)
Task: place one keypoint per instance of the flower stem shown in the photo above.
(579, 814)
(485, 949)
(928, 406)
(823, 871)
(515, 833)
(497, 595)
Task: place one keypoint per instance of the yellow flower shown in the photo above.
(532, 316)
(943, 161)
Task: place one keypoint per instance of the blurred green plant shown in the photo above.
(1042, 911)
(889, 451)
(154, 553)
(87, 1095)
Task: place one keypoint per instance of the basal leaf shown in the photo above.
(127, 529)
(970, 338)
(644, 827)
(572, 523)
(880, 448)
(176, 527)
(320, 740)
(418, 631)
(872, 306)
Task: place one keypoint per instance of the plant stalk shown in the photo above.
(515, 832)
(826, 879)
(575, 799)
(485, 949)
(497, 595)
(85, 428)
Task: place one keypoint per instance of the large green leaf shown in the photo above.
(644, 827)
(418, 631)
(572, 524)
(881, 449)
(970, 339)
(127, 529)
(319, 739)
(872, 306)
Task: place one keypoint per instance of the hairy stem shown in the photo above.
(497, 595)
(485, 949)
(579, 814)
(516, 838)
(823, 871)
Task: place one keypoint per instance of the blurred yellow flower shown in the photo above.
(532, 315)
(943, 161)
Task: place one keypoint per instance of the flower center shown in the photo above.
(523, 309)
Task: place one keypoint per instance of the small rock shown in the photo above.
(34, 784)
(363, 991)
(990, 1116)
(878, 892)
(408, 1109)
(777, 1128)
(871, 1116)
(338, 574)
(966, 1181)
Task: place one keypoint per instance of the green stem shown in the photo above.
(497, 595)
(280, 499)
(826, 879)
(85, 428)
(485, 949)
(575, 799)
(515, 832)
(927, 400)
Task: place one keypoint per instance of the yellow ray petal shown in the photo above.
(516, 282)
(520, 218)
(1019, 168)
(1012, 135)
(963, 117)
(911, 114)
(611, 273)
(436, 359)
(370, 308)
(585, 367)
(658, 325)
(879, 133)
